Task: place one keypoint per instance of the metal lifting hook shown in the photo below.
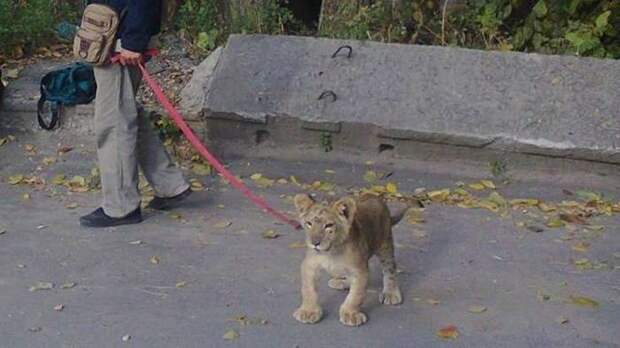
(347, 47)
(328, 93)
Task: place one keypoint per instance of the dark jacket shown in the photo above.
(141, 21)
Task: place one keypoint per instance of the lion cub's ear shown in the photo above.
(346, 207)
(303, 202)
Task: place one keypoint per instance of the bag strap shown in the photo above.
(55, 109)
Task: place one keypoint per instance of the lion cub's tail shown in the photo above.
(400, 214)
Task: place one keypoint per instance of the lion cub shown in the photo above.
(341, 238)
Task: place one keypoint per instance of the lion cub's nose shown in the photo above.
(316, 242)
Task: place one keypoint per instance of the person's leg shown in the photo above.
(116, 127)
(160, 171)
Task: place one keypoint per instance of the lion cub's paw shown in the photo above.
(352, 317)
(392, 297)
(308, 315)
(338, 283)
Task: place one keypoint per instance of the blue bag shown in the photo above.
(69, 86)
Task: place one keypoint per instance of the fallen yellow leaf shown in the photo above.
(583, 301)
(588, 196)
(370, 176)
(524, 201)
(391, 188)
(581, 247)
(58, 180)
(16, 179)
(294, 180)
(583, 264)
(546, 208)
(175, 216)
(270, 234)
(49, 161)
(197, 186)
(439, 195)
(477, 309)
(223, 224)
(230, 335)
(449, 332)
(78, 184)
(461, 192)
(68, 285)
(488, 184)
(41, 286)
(476, 186)
(201, 169)
(71, 205)
(555, 223)
(486, 204)
(497, 199)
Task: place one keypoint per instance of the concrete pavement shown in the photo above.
(192, 278)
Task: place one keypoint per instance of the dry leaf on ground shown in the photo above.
(223, 224)
(41, 286)
(449, 332)
(270, 234)
(230, 335)
(584, 301)
(477, 309)
(16, 179)
(68, 285)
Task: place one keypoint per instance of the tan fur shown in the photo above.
(341, 239)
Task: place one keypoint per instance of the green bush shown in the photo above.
(200, 20)
(208, 22)
(375, 22)
(26, 25)
(263, 17)
(582, 27)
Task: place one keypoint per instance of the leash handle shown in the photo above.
(193, 139)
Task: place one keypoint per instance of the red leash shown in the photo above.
(193, 139)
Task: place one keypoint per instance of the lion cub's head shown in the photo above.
(326, 226)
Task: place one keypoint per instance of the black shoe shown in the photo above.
(99, 218)
(159, 203)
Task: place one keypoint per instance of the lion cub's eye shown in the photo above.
(308, 223)
(330, 225)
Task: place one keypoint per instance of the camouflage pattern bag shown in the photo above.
(96, 37)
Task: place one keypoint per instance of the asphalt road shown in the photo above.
(185, 279)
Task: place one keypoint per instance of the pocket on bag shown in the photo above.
(89, 45)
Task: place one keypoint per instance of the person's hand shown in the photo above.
(128, 57)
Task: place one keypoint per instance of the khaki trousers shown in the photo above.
(126, 140)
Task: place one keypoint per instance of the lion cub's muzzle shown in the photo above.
(318, 244)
